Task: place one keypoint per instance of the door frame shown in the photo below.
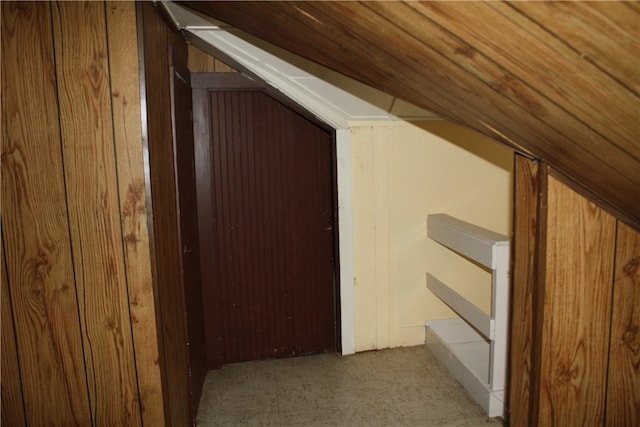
(202, 84)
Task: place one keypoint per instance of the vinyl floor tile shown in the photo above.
(394, 387)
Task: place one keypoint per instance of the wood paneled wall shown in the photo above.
(623, 380)
(576, 305)
(77, 285)
(201, 62)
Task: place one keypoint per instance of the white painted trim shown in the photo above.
(501, 279)
(323, 99)
(346, 242)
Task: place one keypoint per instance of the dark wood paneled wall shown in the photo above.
(78, 279)
(575, 322)
(160, 43)
(271, 195)
(183, 144)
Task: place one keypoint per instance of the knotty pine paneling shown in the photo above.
(35, 224)
(578, 264)
(125, 104)
(74, 235)
(623, 382)
(94, 211)
(12, 411)
(574, 341)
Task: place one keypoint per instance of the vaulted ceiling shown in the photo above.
(558, 80)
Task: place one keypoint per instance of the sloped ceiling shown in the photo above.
(559, 80)
(333, 97)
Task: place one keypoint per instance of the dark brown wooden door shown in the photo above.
(183, 147)
(273, 285)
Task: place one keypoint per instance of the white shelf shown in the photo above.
(472, 241)
(472, 314)
(465, 354)
(477, 361)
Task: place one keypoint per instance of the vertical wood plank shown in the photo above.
(527, 187)
(623, 382)
(221, 67)
(125, 98)
(578, 267)
(199, 61)
(94, 212)
(12, 411)
(35, 227)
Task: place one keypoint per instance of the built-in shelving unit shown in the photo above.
(474, 345)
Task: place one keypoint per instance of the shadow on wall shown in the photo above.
(471, 141)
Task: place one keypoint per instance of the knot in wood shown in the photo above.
(565, 375)
(631, 268)
(630, 333)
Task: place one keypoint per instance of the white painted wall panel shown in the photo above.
(401, 173)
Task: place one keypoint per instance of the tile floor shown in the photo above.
(395, 387)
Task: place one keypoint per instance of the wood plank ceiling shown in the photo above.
(558, 80)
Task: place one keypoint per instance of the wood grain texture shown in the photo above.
(94, 211)
(561, 98)
(527, 188)
(553, 71)
(125, 99)
(35, 226)
(603, 34)
(578, 269)
(623, 382)
(221, 67)
(199, 61)
(12, 410)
